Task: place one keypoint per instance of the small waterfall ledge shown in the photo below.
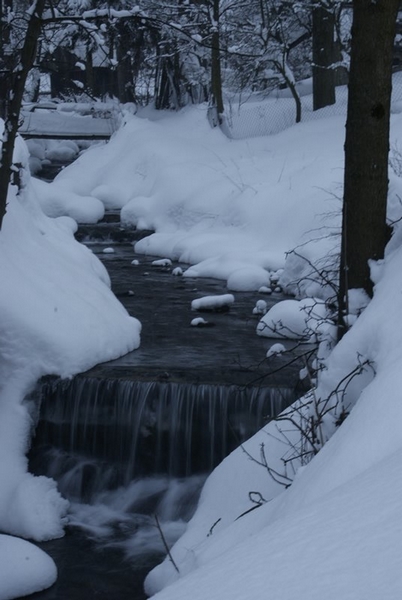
(96, 434)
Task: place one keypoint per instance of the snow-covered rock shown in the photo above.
(293, 319)
(219, 302)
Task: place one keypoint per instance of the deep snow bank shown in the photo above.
(59, 316)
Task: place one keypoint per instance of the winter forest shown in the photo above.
(201, 267)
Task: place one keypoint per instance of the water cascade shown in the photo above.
(95, 435)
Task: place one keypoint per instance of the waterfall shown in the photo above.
(99, 434)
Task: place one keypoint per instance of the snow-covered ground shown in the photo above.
(58, 317)
(232, 209)
(223, 206)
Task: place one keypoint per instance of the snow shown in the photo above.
(24, 568)
(198, 322)
(162, 262)
(110, 196)
(56, 202)
(221, 205)
(341, 545)
(293, 319)
(336, 531)
(232, 209)
(58, 121)
(212, 302)
(247, 279)
(260, 307)
(59, 317)
(275, 349)
(265, 290)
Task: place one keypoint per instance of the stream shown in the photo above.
(136, 437)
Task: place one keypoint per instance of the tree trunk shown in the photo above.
(89, 70)
(323, 58)
(364, 230)
(15, 94)
(124, 65)
(216, 75)
(5, 58)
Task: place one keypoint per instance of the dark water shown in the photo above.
(87, 570)
(136, 437)
(123, 451)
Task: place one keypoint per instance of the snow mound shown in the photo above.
(55, 201)
(37, 511)
(275, 349)
(24, 568)
(260, 307)
(293, 319)
(60, 317)
(248, 279)
(207, 303)
(111, 196)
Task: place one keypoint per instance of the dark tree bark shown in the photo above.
(5, 58)
(323, 57)
(14, 101)
(124, 65)
(89, 70)
(216, 75)
(364, 229)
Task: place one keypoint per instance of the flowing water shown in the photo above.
(132, 457)
(121, 448)
(134, 439)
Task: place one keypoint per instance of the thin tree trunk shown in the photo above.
(364, 230)
(323, 58)
(15, 96)
(216, 74)
(89, 71)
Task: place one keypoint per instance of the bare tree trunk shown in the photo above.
(15, 94)
(323, 57)
(216, 75)
(5, 59)
(89, 70)
(364, 230)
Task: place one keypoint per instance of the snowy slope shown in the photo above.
(59, 317)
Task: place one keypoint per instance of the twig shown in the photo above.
(165, 543)
(213, 527)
